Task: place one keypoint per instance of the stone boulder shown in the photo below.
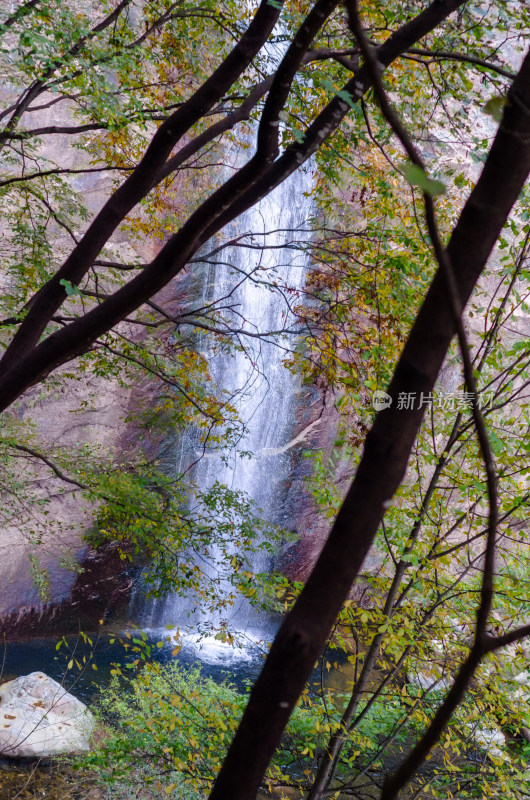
(492, 740)
(429, 682)
(39, 718)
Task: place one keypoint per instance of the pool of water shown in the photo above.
(85, 668)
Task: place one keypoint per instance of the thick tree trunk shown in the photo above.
(382, 468)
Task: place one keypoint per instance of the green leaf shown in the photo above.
(298, 135)
(347, 97)
(69, 288)
(495, 107)
(417, 176)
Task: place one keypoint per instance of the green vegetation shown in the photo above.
(119, 124)
(167, 730)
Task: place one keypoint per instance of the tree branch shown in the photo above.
(41, 457)
(46, 302)
(445, 55)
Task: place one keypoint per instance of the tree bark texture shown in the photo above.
(382, 467)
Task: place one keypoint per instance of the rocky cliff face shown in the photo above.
(93, 410)
(49, 576)
(53, 532)
(82, 586)
(318, 421)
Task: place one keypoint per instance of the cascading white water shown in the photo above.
(264, 390)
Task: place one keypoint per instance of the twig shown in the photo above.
(395, 782)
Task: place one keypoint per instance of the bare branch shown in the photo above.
(445, 55)
(41, 457)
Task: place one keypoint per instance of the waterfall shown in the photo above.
(263, 388)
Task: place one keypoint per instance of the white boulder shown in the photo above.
(39, 718)
(492, 740)
(428, 683)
